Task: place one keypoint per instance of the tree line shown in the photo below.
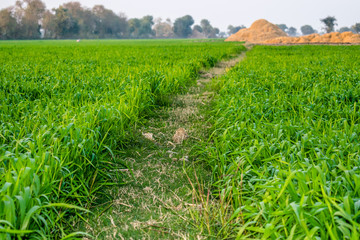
(29, 19)
(329, 24)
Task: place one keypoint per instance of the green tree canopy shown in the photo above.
(107, 23)
(182, 26)
(208, 30)
(282, 27)
(28, 15)
(232, 29)
(344, 29)
(134, 27)
(356, 27)
(85, 19)
(65, 25)
(307, 29)
(7, 24)
(329, 23)
(198, 28)
(292, 31)
(29, 19)
(141, 28)
(146, 27)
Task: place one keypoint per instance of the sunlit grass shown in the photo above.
(285, 154)
(66, 108)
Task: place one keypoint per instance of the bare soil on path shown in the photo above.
(156, 203)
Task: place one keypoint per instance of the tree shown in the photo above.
(222, 34)
(7, 24)
(198, 28)
(65, 25)
(329, 23)
(88, 24)
(233, 30)
(122, 24)
(134, 27)
(48, 24)
(216, 31)
(146, 27)
(344, 29)
(208, 30)
(74, 9)
(206, 27)
(108, 24)
(30, 12)
(292, 31)
(83, 17)
(356, 27)
(163, 29)
(182, 26)
(307, 29)
(197, 32)
(282, 27)
(141, 28)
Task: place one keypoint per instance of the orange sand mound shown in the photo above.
(261, 30)
(334, 37)
(264, 32)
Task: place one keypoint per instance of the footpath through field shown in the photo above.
(157, 204)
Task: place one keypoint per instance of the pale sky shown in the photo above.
(221, 13)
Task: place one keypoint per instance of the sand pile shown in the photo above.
(264, 32)
(261, 30)
(334, 38)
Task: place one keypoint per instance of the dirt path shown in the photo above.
(155, 205)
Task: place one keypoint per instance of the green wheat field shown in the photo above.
(283, 148)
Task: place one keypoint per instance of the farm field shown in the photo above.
(67, 109)
(279, 139)
(284, 147)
